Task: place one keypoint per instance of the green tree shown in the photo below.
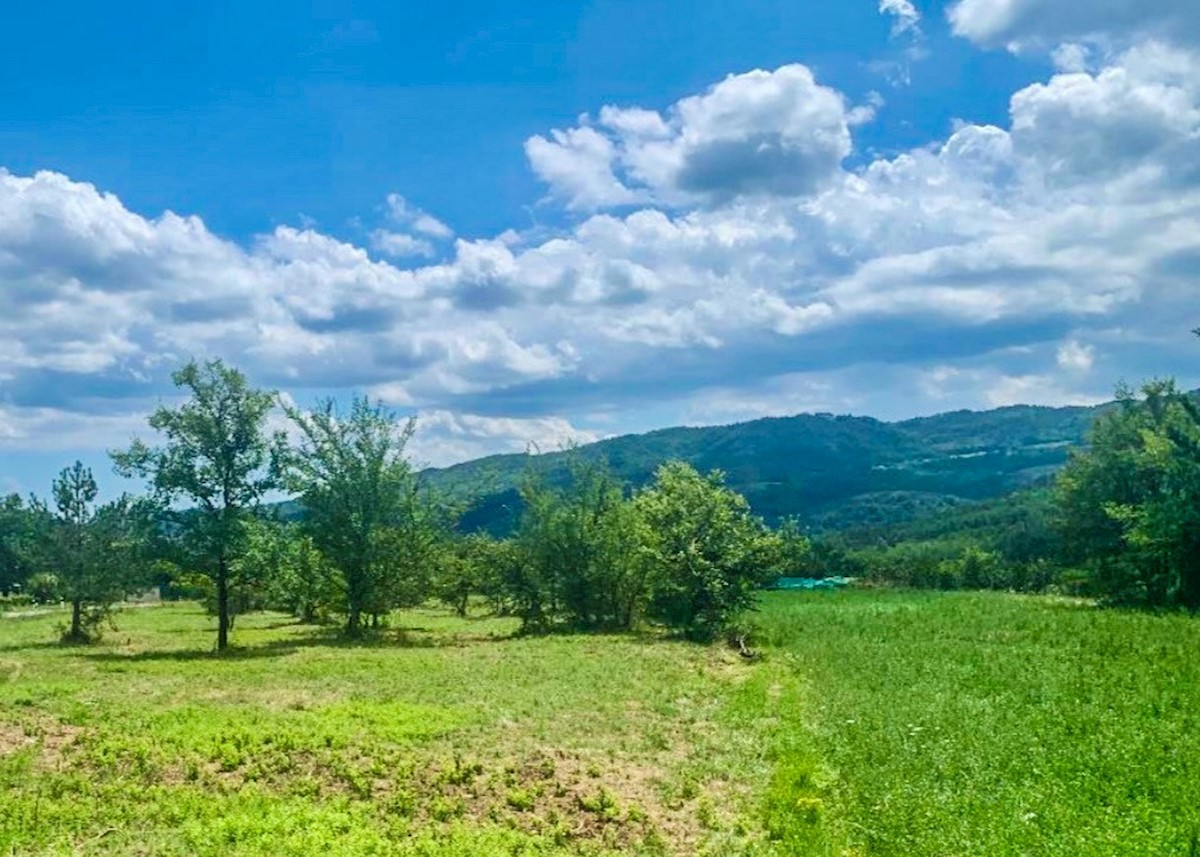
(17, 525)
(282, 566)
(363, 504)
(582, 558)
(1130, 502)
(218, 455)
(469, 566)
(97, 552)
(708, 553)
(794, 551)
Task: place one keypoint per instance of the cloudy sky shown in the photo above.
(593, 217)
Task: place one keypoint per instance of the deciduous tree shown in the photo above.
(1130, 502)
(217, 456)
(708, 553)
(363, 504)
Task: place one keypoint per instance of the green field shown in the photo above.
(876, 723)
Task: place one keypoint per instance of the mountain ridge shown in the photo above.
(832, 471)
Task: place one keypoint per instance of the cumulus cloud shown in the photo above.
(400, 245)
(768, 133)
(1036, 390)
(744, 268)
(1019, 24)
(1075, 356)
(446, 437)
(578, 164)
(1072, 57)
(1143, 113)
(96, 292)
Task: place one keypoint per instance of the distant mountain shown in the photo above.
(832, 471)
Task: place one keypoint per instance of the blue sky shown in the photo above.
(591, 218)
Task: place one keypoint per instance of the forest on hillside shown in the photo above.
(683, 550)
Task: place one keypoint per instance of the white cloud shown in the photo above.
(66, 430)
(1141, 114)
(1075, 356)
(1072, 57)
(1035, 390)
(770, 133)
(1046, 23)
(445, 437)
(578, 165)
(969, 271)
(905, 15)
(866, 112)
(404, 213)
(400, 245)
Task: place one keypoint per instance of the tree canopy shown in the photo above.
(219, 455)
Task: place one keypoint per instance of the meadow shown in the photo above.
(873, 723)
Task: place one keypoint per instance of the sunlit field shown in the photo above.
(873, 723)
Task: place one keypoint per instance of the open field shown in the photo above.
(877, 723)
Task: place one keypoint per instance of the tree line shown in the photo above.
(1120, 522)
(684, 552)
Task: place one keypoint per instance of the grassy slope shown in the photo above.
(879, 723)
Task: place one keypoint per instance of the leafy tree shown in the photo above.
(17, 524)
(794, 552)
(219, 456)
(973, 568)
(708, 554)
(363, 504)
(43, 587)
(283, 567)
(1130, 502)
(96, 552)
(471, 565)
(581, 553)
(499, 562)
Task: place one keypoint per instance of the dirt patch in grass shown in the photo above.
(569, 795)
(52, 738)
(576, 796)
(14, 738)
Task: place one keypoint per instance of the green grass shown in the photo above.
(877, 723)
(965, 724)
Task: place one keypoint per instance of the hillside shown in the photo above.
(832, 471)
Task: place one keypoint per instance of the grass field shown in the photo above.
(876, 723)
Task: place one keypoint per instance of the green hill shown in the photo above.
(832, 471)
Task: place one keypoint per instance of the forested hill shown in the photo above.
(832, 471)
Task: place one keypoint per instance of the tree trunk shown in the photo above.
(353, 621)
(77, 619)
(222, 605)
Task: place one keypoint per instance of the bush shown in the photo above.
(708, 555)
(9, 603)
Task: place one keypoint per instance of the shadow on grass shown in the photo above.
(40, 645)
(317, 639)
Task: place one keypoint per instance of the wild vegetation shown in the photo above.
(684, 551)
(874, 723)
(400, 682)
(1119, 522)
